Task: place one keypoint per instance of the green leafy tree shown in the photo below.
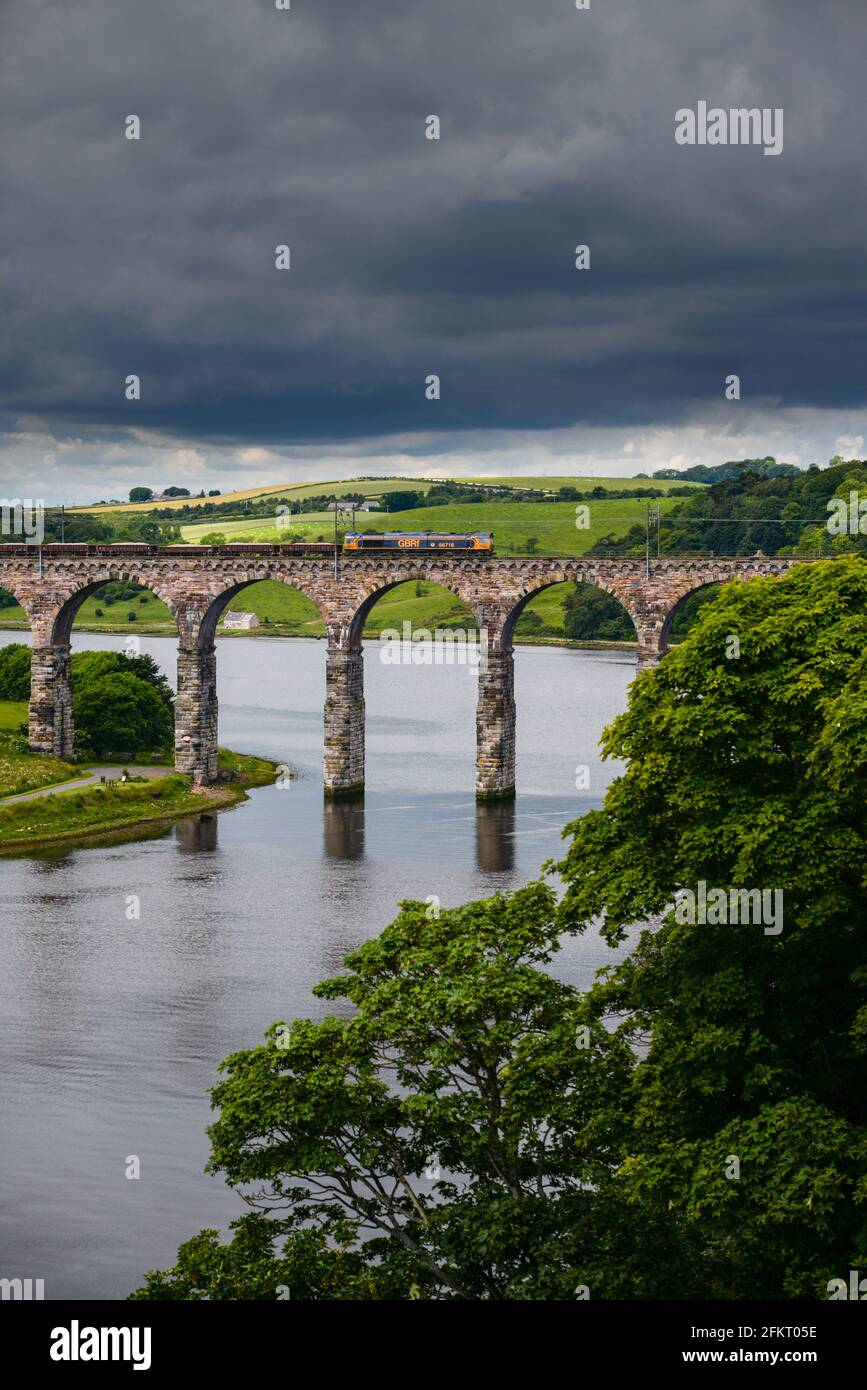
(15, 672)
(121, 704)
(400, 501)
(695, 1125)
(591, 614)
(747, 754)
(141, 494)
(89, 666)
(465, 1051)
(120, 713)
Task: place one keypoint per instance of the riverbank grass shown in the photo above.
(86, 812)
(21, 770)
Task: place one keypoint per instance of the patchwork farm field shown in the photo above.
(378, 487)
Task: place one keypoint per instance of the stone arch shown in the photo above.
(196, 704)
(409, 574)
(64, 616)
(16, 587)
(711, 582)
(207, 626)
(51, 720)
(548, 581)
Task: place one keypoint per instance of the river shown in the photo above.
(111, 1029)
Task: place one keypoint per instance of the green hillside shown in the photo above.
(514, 524)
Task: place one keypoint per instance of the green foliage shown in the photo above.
(745, 773)
(590, 613)
(141, 494)
(721, 472)
(462, 1045)
(687, 612)
(706, 1136)
(315, 1264)
(119, 713)
(121, 704)
(15, 672)
(783, 511)
(400, 501)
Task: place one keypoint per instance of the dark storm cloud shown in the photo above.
(411, 257)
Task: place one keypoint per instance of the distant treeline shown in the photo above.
(784, 513)
(720, 472)
(112, 527)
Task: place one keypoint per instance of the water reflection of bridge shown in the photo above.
(343, 833)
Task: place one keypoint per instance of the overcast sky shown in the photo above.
(412, 257)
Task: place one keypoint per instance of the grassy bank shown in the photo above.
(91, 812)
(20, 770)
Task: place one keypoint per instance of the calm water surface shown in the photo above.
(111, 1030)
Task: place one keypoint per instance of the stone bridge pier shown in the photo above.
(50, 726)
(495, 710)
(343, 764)
(196, 712)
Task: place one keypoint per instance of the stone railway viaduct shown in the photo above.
(52, 587)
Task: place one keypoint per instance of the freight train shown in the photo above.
(475, 541)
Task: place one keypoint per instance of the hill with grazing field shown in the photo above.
(515, 524)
